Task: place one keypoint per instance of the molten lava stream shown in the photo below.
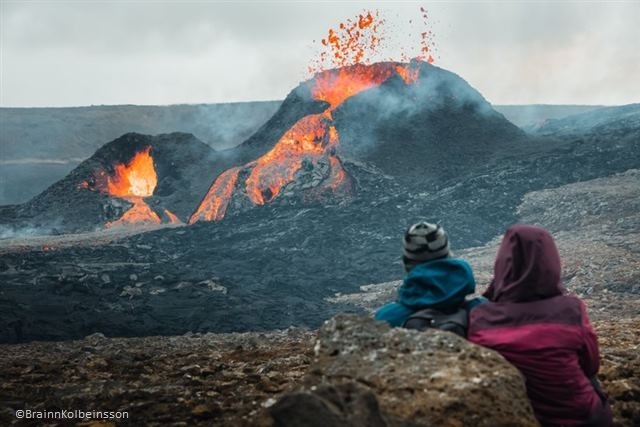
(215, 202)
(140, 214)
(309, 137)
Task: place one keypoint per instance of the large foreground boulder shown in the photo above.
(365, 370)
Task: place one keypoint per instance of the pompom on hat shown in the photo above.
(424, 242)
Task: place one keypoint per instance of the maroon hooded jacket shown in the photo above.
(543, 332)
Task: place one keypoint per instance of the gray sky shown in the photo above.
(71, 53)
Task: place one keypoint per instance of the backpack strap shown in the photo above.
(456, 321)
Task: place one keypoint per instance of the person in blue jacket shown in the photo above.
(434, 278)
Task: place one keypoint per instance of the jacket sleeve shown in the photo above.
(394, 313)
(589, 354)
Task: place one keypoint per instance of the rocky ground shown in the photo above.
(218, 379)
(234, 379)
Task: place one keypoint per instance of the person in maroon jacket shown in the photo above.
(544, 332)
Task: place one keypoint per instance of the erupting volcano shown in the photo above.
(132, 182)
(314, 150)
(314, 138)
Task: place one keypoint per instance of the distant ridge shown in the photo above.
(527, 116)
(618, 121)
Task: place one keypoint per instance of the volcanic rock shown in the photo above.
(299, 258)
(419, 378)
(226, 379)
(229, 379)
(596, 226)
(346, 404)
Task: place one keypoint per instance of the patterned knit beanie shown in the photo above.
(423, 242)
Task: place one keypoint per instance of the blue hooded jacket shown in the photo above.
(441, 284)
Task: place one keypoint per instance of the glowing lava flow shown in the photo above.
(409, 75)
(215, 202)
(131, 181)
(276, 168)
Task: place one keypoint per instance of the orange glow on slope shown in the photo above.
(310, 138)
(140, 214)
(215, 202)
(173, 218)
(408, 74)
(137, 178)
